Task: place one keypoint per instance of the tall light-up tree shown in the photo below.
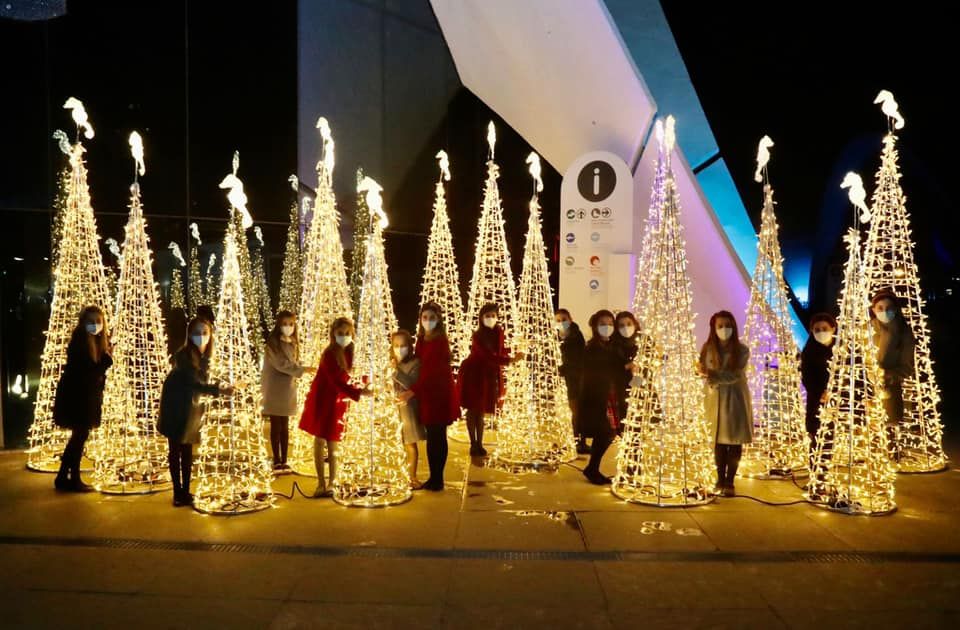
(888, 263)
(441, 277)
(853, 471)
(666, 456)
(211, 283)
(261, 287)
(361, 233)
(234, 473)
(372, 469)
(111, 272)
(535, 429)
(291, 280)
(78, 281)
(132, 456)
(780, 443)
(176, 299)
(194, 281)
(325, 291)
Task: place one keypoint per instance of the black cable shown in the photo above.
(296, 488)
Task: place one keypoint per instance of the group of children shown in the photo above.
(597, 372)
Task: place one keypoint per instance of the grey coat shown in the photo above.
(278, 381)
(405, 375)
(727, 406)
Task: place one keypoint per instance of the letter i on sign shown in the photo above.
(596, 181)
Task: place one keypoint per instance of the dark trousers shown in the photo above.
(73, 452)
(598, 447)
(727, 457)
(180, 461)
(279, 438)
(436, 451)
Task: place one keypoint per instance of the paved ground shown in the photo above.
(493, 551)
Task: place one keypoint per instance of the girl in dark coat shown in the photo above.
(181, 410)
(434, 390)
(572, 346)
(625, 343)
(79, 396)
(481, 375)
(895, 345)
(815, 371)
(602, 367)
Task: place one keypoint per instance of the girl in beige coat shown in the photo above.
(723, 362)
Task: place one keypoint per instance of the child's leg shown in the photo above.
(173, 463)
(318, 448)
(332, 448)
(284, 437)
(413, 455)
(186, 466)
(275, 439)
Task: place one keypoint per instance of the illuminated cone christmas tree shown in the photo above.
(78, 281)
(325, 291)
(262, 289)
(60, 199)
(888, 263)
(176, 299)
(666, 454)
(194, 280)
(111, 273)
(234, 473)
(853, 470)
(535, 429)
(372, 469)
(441, 278)
(361, 233)
(132, 456)
(211, 283)
(780, 443)
(291, 281)
(651, 225)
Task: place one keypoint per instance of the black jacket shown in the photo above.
(814, 372)
(601, 369)
(571, 353)
(179, 402)
(626, 350)
(79, 396)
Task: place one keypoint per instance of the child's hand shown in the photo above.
(310, 370)
(367, 391)
(404, 397)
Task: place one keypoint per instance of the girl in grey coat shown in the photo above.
(723, 362)
(406, 372)
(278, 383)
(895, 345)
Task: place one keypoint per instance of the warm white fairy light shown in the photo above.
(361, 234)
(888, 263)
(176, 297)
(78, 281)
(211, 293)
(372, 463)
(534, 430)
(666, 455)
(291, 280)
(325, 291)
(853, 471)
(441, 276)
(195, 295)
(643, 277)
(260, 286)
(131, 456)
(780, 443)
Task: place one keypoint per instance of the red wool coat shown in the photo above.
(481, 373)
(327, 401)
(435, 390)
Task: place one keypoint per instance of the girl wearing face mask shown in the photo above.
(814, 370)
(435, 390)
(406, 371)
(572, 347)
(181, 411)
(625, 343)
(602, 368)
(79, 396)
(481, 375)
(727, 404)
(895, 343)
(278, 383)
(327, 401)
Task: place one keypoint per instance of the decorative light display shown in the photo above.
(131, 456)
(261, 288)
(234, 473)
(110, 271)
(325, 291)
(535, 429)
(78, 281)
(194, 279)
(211, 283)
(888, 263)
(853, 471)
(780, 443)
(373, 469)
(291, 280)
(60, 199)
(441, 277)
(176, 298)
(361, 233)
(666, 454)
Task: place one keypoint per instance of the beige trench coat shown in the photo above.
(726, 403)
(278, 381)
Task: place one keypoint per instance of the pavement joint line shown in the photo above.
(749, 557)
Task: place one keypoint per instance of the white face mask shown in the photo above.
(489, 322)
(200, 341)
(428, 324)
(824, 337)
(344, 340)
(725, 332)
(94, 329)
(605, 330)
(886, 316)
(563, 326)
(287, 331)
(401, 352)
(627, 330)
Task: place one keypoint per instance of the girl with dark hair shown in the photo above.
(814, 371)
(602, 367)
(278, 384)
(434, 390)
(572, 346)
(625, 343)
(79, 396)
(727, 404)
(481, 374)
(406, 371)
(326, 403)
(895, 345)
(181, 411)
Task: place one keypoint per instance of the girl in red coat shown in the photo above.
(434, 390)
(481, 375)
(327, 401)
